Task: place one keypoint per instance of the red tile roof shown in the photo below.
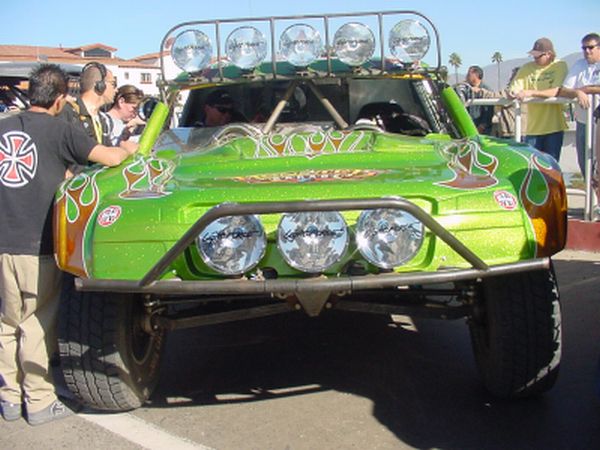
(30, 51)
(91, 46)
(63, 55)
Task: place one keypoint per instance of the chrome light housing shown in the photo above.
(232, 245)
(246, 47)
(300, 44)
(388, 238)
(354, 43)
(409, 40)
(191, 50)
(312, 241)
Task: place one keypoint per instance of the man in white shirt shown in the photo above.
(583, 83)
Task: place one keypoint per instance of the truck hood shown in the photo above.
(329, 164)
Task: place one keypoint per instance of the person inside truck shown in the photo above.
(391, 117)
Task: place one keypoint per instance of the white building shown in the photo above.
(143, 72)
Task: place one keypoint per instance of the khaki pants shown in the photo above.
(30, 292)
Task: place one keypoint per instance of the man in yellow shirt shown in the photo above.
(542, 78)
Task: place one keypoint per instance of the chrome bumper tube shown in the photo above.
(344, 283)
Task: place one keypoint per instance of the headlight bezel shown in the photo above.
(409, 48)
(205, 50)
(291, 37)
(258, 41)
(285, 234)
(257, 252)
(366, 243)
(353, 31)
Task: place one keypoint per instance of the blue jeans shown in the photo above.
(548, 143)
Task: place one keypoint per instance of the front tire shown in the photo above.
(109, 362)
(516, 333)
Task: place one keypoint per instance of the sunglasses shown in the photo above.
(223, 109)
(588, 47)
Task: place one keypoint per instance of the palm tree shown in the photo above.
(497, 58)
(455, 61)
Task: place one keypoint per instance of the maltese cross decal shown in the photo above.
(18, 159)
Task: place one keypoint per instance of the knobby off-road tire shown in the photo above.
(516, 333)
(109, 363)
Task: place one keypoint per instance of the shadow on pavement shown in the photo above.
(424, 385)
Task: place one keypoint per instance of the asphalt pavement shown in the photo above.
(349, 381)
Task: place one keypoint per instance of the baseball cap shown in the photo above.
(542, 45)
(219, 97)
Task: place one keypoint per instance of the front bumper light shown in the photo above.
(388, 238)
(232, 245)
(312, 241)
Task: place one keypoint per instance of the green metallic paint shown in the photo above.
(153, 128)
(171, 194)
(459, 113)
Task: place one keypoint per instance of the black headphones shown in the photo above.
(100, 85)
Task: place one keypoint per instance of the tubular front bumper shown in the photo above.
(151, 284)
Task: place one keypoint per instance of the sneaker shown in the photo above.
(10, 411)
(56, 410)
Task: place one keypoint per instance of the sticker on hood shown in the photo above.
(505, 200)
(109, 216)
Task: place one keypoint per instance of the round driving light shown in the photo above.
(354, 43)
(246, 47)
(191, 50)
(232, 245)
(409, 40)
(300, 44)
(388, 238)
(312, 241)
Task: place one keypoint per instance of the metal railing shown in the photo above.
(590, 155)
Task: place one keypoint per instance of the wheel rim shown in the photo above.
(142, 343)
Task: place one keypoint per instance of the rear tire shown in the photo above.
(109, 362)
(516, 333)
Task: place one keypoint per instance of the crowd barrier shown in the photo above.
(588, 192)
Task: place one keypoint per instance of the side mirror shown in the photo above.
(146, 107)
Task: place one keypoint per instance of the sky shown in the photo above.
(474, 30)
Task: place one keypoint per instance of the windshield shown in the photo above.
(394, 105)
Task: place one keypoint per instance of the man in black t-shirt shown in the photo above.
(36, 148)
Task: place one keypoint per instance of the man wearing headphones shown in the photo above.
(98, 88)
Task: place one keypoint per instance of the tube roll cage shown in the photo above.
(150, 283)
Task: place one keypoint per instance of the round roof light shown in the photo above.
(388, 238)
(300, 44)
(409, 40)
(191, 50)
(312, 241)
(354, 43)
(246, 47)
